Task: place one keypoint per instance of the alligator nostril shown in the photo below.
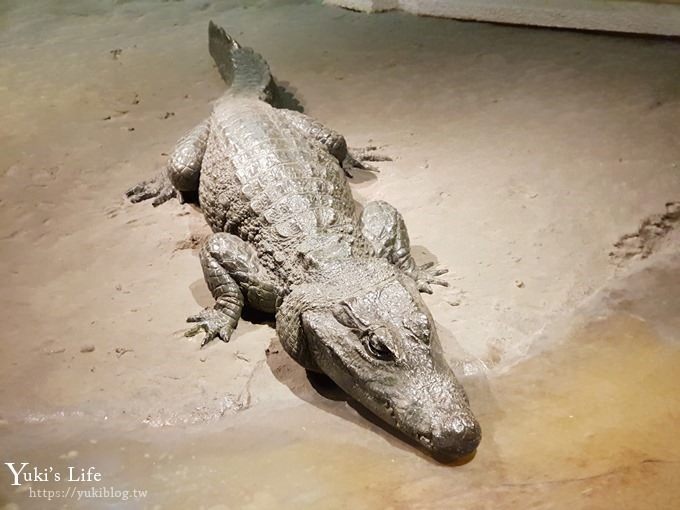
(461, 424)
(458, 426)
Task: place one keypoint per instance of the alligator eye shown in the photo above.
(378, 349)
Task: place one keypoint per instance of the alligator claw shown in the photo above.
(158, 188)
(214, 323)
(356, 159)
(368, 153)
(427, 274)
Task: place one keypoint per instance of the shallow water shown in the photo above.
(592, 422)
(604, 402)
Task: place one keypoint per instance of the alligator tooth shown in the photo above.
(388, 408)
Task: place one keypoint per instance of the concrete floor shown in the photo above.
(522, 158)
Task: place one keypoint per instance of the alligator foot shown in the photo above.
(356, 159)
(215, 323)
(427, 274)
(158, 188)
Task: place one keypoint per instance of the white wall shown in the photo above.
(651, 17)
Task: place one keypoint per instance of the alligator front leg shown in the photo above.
(235, 276)
(383, 226)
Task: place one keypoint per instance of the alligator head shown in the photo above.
(381, 347)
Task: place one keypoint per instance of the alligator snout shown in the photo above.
(435, 411)
(454, 439)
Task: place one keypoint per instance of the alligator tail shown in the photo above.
(245, 71)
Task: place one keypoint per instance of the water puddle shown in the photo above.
(256, 464)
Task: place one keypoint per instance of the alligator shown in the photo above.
(288, 239)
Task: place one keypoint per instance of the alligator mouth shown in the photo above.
(459, 452)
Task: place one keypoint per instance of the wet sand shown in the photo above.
(521, 157)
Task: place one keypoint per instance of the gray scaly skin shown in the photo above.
(289, 240)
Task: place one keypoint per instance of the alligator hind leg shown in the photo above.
(235, 276)
(182, 172)
(334, 142)
(159, 188)
(383, 226)
(184, 164)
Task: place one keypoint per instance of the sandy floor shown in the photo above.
(521, 157)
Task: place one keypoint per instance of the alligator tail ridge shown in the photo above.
(244, 71)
